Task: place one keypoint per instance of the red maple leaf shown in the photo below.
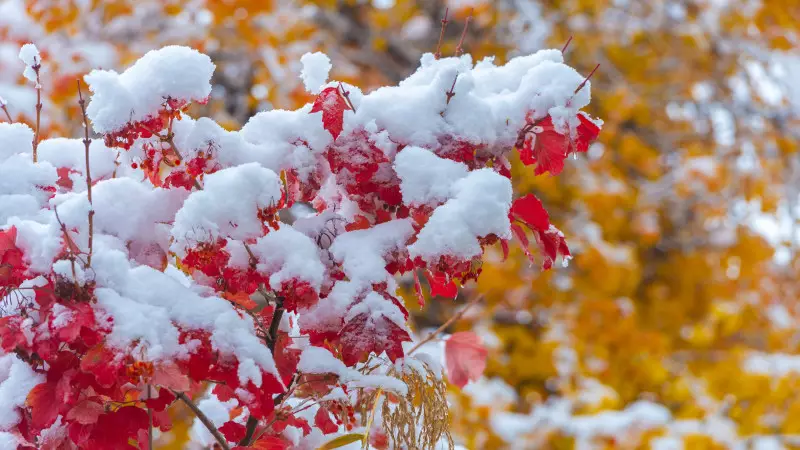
(322, 420)
(547, 148)
(465, 358)
(114, 429)
(43, 405)
(162, 399)
(529, 210)
(332, 105)
(441, 285)
(552, 244)
(366, 333)
(233, 432)
(12, 265)
(291, 421)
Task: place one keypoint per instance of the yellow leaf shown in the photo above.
(343, 440)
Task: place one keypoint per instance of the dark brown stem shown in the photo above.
(459, 49)
(37, 68)
(206, 422)
(564, 49)
(86, 142)
(272, 339)
(441, 34)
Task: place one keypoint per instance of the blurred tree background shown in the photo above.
(675, 325)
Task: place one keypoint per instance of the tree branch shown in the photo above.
(204, 419)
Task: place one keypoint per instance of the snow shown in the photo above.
(212, 213)
(288, 254)
(175, 72)
(479, 207)
(318, 360)
(217, 412)
(363, 252)
(146, 306)
(16, 381)
(426, 179)
(71, 154)
(15, 138)
(316, 67)
(29, 55)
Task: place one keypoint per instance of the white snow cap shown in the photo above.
(479, 207)
(176, 72)
(227, 206)
(426, 179)
(15, 138)
(316, 67)
(29, 54)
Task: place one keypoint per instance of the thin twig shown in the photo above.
(37, 68)
(200, 415)
(459, 49)
(564, 49)
(86, 142)
(444, 326)
(70, 245)
(441, 34)
(586, 80)
(346, 95)
(5, 110)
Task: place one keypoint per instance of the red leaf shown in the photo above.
(170, 376)
(43, 404)
(85, 412)
(365, 333)
(100, 362)
(286, 358)
(322, 420)
(519, 233)
(291, 421)
(545, 147)
(440, 285)
(270, 443)
(332, 105)
(587, 132)
(233, 432)
(529, 210)
(114, 429)
(552, 244)
(504, 245)
(465, 358)
(164, 398)
(63, 177)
